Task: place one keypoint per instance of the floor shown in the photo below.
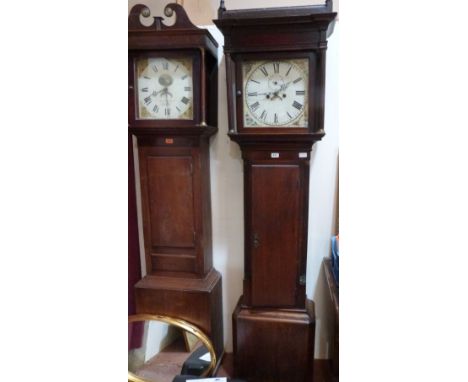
(322, 371)
(168, 363)
(165, 365)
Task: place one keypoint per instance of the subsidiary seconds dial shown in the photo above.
(275, 93)
(165, 88)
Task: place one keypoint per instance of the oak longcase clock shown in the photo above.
(275, 73)
(172, 103)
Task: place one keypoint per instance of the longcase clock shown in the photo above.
(173, 112)
(275, 71)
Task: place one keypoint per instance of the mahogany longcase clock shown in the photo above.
(173, 112)
(275, 71)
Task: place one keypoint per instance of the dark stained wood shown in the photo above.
(181, 22)
(134, 265)
(334, 295)
(274, 344)
(176, 204)
(276, 210)
(332, 287)
(273, 326)
(172, 211)
(135, 332)
(174, 166)
(197, 301)
(321, 369)
(275, 226)
(276, 12)
(226, 368)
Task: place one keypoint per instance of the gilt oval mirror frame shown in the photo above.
(181, 324)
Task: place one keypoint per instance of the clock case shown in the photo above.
(273, 312)
(174, 169)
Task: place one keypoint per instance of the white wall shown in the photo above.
(227, 196)
(323, 203)
(227, 203)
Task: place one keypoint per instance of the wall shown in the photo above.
(227, 191)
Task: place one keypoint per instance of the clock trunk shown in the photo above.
(276, 189)
(176, 205)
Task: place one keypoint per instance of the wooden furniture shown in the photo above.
(334, 296)
(173, 112)
(275, 71)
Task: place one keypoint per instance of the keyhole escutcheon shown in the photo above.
(256, 241)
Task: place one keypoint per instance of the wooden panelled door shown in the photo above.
(275, 217)
(171, 206)
(169, 191)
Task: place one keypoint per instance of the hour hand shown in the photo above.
(275, 95)
(164, 91)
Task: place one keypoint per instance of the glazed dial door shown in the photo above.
(275, 93)
(164, 88)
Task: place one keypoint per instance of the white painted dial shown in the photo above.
(275, 93)
(165, 88)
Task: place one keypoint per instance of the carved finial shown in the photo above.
(221, 9)
(135, 13)
(181, 19)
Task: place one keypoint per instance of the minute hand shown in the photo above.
(284, 86)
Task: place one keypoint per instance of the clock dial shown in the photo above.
(275, 93)
(165, 88)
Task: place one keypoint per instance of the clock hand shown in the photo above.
(164, 91)
(284, 86)
(275, 95)
(167, 100)
(269, 93)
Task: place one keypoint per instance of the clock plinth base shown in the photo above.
(198, 301)
(274, 344)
